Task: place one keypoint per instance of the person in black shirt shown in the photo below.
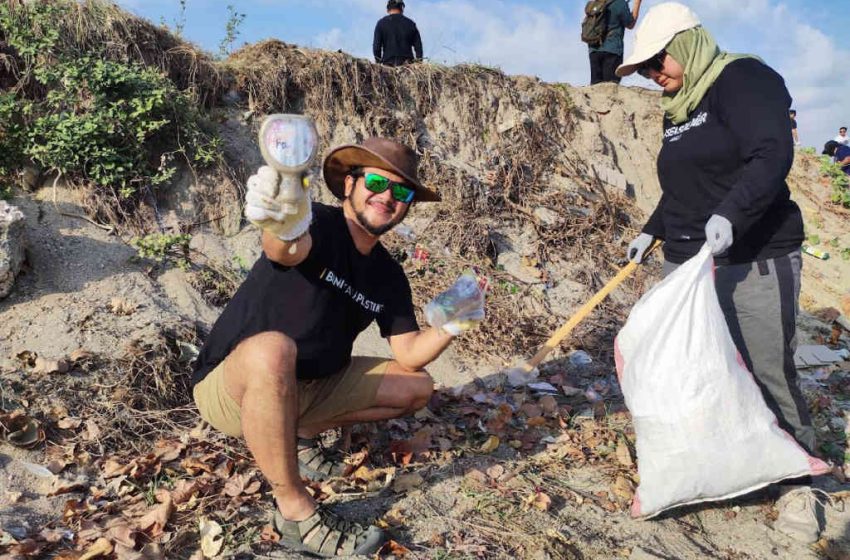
(726, 151)
(397, 39)
(277, 366)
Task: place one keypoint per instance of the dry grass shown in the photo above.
(497, 147)
(144, 394)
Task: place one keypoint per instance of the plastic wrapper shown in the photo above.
(461, 306)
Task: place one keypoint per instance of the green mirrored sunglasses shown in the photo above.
(378, 184)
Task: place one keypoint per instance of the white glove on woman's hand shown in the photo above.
(286, 218)
(637, 248)
(718, 234)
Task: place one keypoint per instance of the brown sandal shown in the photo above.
(326, 535)
(315, 463)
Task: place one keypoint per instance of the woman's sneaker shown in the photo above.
(801, 513)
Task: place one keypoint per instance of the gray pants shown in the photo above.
(760, 302)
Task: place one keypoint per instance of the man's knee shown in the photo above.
(419, 391)
(265, 360)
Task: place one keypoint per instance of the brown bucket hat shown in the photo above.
(374, 152)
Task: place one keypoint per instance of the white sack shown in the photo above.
(703, 429)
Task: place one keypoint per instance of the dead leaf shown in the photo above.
(12, 498)
(531, 410)
(538, 500)
(209, 530)
(403, 451)
(194, 466)
(80, 355)
(490, 445)
(622, 488)
(150, 551)
(155, 520)
(56, 466)
(184, 490)
(477, 476)
(392, 548)
(624, 454)
(43, 365)
(394, 518)
(268, 534)
(536, 422)
(235, 485)
(832, 550)
(405, 482)
(27, 358)
(93, 431)
(66, 485)
(496, 471)
(549, 404)
(167, 451)
(28, 548)
(69, 423)
(121, 306)
(500, 418)
(120, 532)
(366, 474)
(101, 547)
(20, 430)
(53, 535)
(113, 468)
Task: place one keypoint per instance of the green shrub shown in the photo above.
(164, 247)
(838, 179)
(115, 125)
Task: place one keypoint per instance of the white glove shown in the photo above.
(637, 248)
(718, 234)
(287, 217)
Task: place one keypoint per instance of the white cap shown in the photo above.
(659, 26)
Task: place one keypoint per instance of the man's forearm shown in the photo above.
(425, 348)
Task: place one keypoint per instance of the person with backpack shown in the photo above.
(397, 40)
(603, 28)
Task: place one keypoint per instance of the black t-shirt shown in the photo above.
(397, 40)
(730, 158)
(322, 303)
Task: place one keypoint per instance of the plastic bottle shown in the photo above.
(817, 253)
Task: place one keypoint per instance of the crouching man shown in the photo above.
(277, 367)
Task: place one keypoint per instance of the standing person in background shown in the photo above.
(603, 29)
(793, 114)
(842, 137)
(397, 39)
(726, 151)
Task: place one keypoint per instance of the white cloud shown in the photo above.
(541, 37)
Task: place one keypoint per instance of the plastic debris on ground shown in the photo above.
(580, 358)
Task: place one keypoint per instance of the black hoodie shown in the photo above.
(396, 40)
(731, 158)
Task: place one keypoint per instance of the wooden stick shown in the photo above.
(584, 311)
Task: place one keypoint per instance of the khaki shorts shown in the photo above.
(320, 400)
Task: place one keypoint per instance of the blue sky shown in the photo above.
(807, 41)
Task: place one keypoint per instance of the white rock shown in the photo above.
(12, 245)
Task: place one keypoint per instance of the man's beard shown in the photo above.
(377, 230)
